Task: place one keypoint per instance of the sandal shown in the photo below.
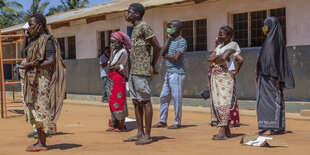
(109, 129)
(159, 125)
(33, 149)
(174, 127)
(219, 137)
(117, 130)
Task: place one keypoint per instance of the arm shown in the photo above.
(211, 56)
(24, 42)
(166, 46)
(156, 48)
(222, 58)
(173, 58)
(121, 63)
(239, 60)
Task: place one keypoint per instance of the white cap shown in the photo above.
(26, 26)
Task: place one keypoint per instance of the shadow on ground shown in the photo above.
(64, 146)
(159, 138)
(235, 135)
(187, 126)
(61, 133)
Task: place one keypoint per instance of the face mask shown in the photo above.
(129, 16)
(265, 30)
(116, 46)
(170, 31)
(33, 32)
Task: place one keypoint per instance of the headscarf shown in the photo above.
(273, 59)
(122, 38)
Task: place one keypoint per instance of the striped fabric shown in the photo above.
(179, 45)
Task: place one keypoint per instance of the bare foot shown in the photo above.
(265, 133)
(133, 138)
(227, 132)
(144, 140)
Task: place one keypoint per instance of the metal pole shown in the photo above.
(2, 77)
(1, 74)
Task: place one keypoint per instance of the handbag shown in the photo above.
(206, 94)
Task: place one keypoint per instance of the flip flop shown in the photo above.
(33, 149)
(117, 130)
(110, 129)
(219, 137)
(159, 125)
(132, 139)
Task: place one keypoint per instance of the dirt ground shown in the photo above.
(81, 130)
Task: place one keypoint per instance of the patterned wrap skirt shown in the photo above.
(38, 111)
(116, 93)
(223, 99)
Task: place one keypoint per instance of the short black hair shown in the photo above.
(40, 19)
(138, 7)
(177, 23)
(228, 30)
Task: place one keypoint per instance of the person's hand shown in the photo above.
(256, 71)
(233, 74)
(24, 66)
(115, 67)
(169, 37)
(155, 70)
(26, 35)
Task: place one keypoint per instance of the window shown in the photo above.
(257, 20)
(240, 24)
(71, 47)
(61, 42)
(195, 33)
(280, 14)
(248, 26)
(105, 38)
(67, 47)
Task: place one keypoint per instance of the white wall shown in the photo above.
(216, 12)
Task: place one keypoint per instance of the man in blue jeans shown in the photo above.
(173, 51)
(103, 60)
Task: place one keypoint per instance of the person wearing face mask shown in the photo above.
(42, 80)
(222, 81)
(142, 68)
(116, 82)
(173, 51)
(273, 75)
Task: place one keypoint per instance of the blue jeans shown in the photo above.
(172, 89)
(104, 90)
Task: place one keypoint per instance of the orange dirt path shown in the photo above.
(82, 131)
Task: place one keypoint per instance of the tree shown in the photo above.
(74, 4)
(36, 8)
(54, 10)
(9, 13)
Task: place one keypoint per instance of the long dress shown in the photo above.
(43, 89)
(116, 87)
(273, 75)
(223, 99)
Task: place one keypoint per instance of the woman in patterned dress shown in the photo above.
(116, 83)
(43, 80)
(222, 84)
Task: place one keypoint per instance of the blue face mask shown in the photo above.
(116, 46)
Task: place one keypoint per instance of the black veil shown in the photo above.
(273, 59)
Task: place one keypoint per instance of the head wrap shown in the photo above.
(123, 38)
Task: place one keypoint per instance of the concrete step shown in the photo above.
(305, 113)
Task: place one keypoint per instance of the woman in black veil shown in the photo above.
(273, 74)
